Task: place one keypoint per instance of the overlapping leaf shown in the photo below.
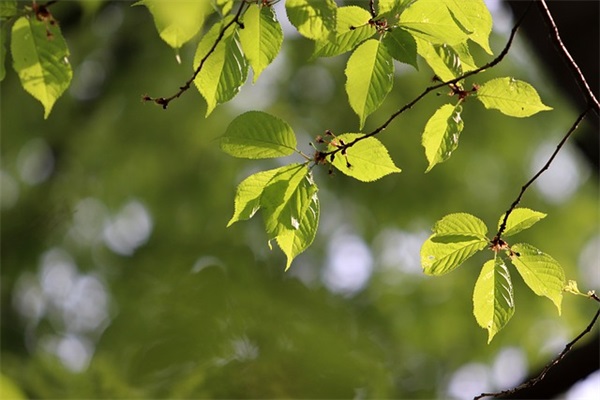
(519, 220)
(440, 137)
(367, 160)
(475, 18)
(261, 38)
(369, 73)
(224, 71)
(431, 20)
(402, 46)
(448, 62)
(542, 273)
(314, 19)
(352, 28)
(493, 298)
(40, 58)
(511, 97)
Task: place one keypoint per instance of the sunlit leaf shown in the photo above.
(461, 224)
(370, 77)
(256, 134)
(402, 46)
(448, 62)
(440, 137)
(431, 20)
(391, 8)
(248, 194)
(475, 18)
(519, 220)
(261, 38)
(177, 21)
(352, 29)
(493, 299)
(367, 160)
(223, 6)
(542, 273)
(441, 254)
(511, 97)
(40, 58)
(224, 71)
(314, 19)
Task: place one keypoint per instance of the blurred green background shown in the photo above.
(120, 280)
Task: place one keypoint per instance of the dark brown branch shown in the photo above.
(566, 56)
(372, 8)
(542, 375)
(164, 101)
(430, 89)
(537, 175)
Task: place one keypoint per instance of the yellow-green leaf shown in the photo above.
(352, 28)
(441, 254)
(511, 97)
(314, 19)
(461, 224)
(440, 137)
(431, 20)
(519, 220)
(475, 18)
(402, 46)
(248, 194)
(447, 62)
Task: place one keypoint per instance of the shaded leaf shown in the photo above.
(256, 134)
(511, 97)
(346, 38)
(431, 20)
(401, 46)
(493, 297)
(370, 76)
(440, 137)
(519, 220)
(8, 9)
(314, 19)
(40, 58)
(541, 273)
(441, 254)
(448, 62)
(391, 8)
(367, 160)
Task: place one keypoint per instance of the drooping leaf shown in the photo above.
(370, 77)
(441, 254)
(256, 134)
(460, 224)
(352, 28)
(402, 46)
(314, 19)
(431, 20)
(519, 220)
(475, 18)
(261, 37)
(40, 58)
(177, 21)
(8, 9)
(511, 97)
(440, 137)
(493, 299)
(448, 62)
(367, 160)
(224, 71)
(542, 273)
(248, 194)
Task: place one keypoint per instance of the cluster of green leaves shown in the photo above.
(457, 237)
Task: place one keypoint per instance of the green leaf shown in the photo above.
(177, 21)
(401, 46)
(541, 273)
(441, 254)
(40, 58)
(223, 6)
(3, 36)
(519, 220)
(367, 160)
(224, 71)
(440, 137)
(431, 20)
(8, 8)
(256, 134)
(261, 38)
(248, 194)
(475, 18)
(512, 97)
(460, 224)
(493, 299)
(391, 8)
(314, 19)
(370, 77)
(448, 62)
(346, 38)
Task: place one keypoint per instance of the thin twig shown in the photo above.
(534, 381)
(164, 101)
(560, 47)
(537, 175)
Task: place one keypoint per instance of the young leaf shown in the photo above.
(248, 194)
(261, 38)
(475, 18)
(352, 29)
(367, 160)
(370, 76)
(177, 21)
(541, 273)
(460, 224)
(448, 62)
(493, 299)
(430, 20)
(256, 134)
(401, 46)
(391, 8)
(440, 137)
(224, 71)
(314, 19)
(511, 97)
(519, 220)
(441, 254)
(40, 54)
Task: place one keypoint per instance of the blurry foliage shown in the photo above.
(200, 311)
